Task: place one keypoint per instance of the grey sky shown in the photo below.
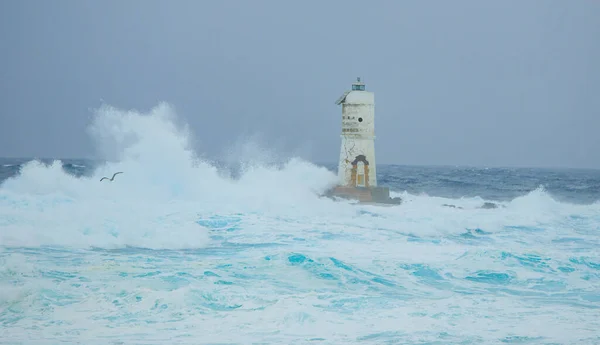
(493, 83)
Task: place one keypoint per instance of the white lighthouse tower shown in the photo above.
(356, 167)
(357, 170)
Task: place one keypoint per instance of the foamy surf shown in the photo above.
(176, 250)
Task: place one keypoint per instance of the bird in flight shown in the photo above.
(113, 176)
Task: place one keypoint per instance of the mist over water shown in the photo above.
(180, 249)
(162, 177)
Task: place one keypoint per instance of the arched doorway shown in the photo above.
(360, 172)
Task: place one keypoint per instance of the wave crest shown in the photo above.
(155, 202)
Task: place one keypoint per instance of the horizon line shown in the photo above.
(422, 165)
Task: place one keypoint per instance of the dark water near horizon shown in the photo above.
(580, 186)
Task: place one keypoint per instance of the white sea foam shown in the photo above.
(270, 261)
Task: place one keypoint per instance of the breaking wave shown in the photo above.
(178, 247)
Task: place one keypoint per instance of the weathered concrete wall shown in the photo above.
(358, 134)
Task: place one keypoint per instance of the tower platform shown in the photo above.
(364, 195)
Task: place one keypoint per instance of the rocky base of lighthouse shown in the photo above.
(366, 195)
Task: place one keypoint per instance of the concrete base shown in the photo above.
(366, 195)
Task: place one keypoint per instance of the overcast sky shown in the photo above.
(488, 83)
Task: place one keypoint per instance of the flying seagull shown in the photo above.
(113, 176)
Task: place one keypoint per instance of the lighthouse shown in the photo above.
(357, 169)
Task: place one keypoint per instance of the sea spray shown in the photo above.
(175, 250)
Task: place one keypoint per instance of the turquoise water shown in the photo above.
(177, 251)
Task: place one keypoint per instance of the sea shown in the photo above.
(180, 249)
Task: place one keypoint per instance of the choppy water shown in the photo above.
(177, 251)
